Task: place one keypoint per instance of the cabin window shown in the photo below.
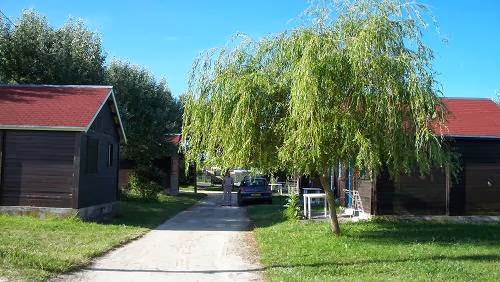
(110, 155)
(92, 155)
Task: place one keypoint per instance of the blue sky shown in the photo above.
(166, 36)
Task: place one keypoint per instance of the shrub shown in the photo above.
(292, 207)
(152, 173)
(146, 182)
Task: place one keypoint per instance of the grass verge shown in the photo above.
(34, 249)
(375, 250)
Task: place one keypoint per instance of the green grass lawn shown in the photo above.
(376, 250)
(34, 249)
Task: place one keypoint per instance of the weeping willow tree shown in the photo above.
(353, 85)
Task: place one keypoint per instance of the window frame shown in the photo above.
(111, 155)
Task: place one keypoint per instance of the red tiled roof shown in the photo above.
(51, 107)
(74, 107)
(174, 139)
(472, 117)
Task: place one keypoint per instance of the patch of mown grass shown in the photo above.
(211, 188)
(149, 213)
(35, 249)
(375, 250)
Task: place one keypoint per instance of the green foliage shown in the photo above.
(292, 207)
(148, 108)
(145, 182)
(32, 51)
(355, 84)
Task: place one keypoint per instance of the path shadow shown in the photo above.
(207, 215)
(209, 219)
(206, 271)
(210, 215)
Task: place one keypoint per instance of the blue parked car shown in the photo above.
(254, 188)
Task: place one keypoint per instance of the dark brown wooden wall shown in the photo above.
(478, 150)
(470, 193)
(100, 187)
(1, 161)
(38, 168)
(418, 194)
(482, 189)
(480, 163)
(412, 194)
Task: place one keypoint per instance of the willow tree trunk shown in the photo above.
(330, 198)
(195, 186)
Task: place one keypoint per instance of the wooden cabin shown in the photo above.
(59, 148)
(473, 129)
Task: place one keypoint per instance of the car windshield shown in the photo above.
(254, 181)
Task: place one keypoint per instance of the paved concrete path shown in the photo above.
(207, 242)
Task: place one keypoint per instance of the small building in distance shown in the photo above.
(60, 148)
(170, 163)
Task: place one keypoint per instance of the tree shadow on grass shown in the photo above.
(392, 232)
(477, 258)
(389, 232)
(362, 262)
(268, 215)
(400, 232)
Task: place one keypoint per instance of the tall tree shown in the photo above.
(148, 108)
(354, 85)
(32, 51)
(80, 57)
(26, 49)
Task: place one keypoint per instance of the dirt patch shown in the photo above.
(249, 249)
